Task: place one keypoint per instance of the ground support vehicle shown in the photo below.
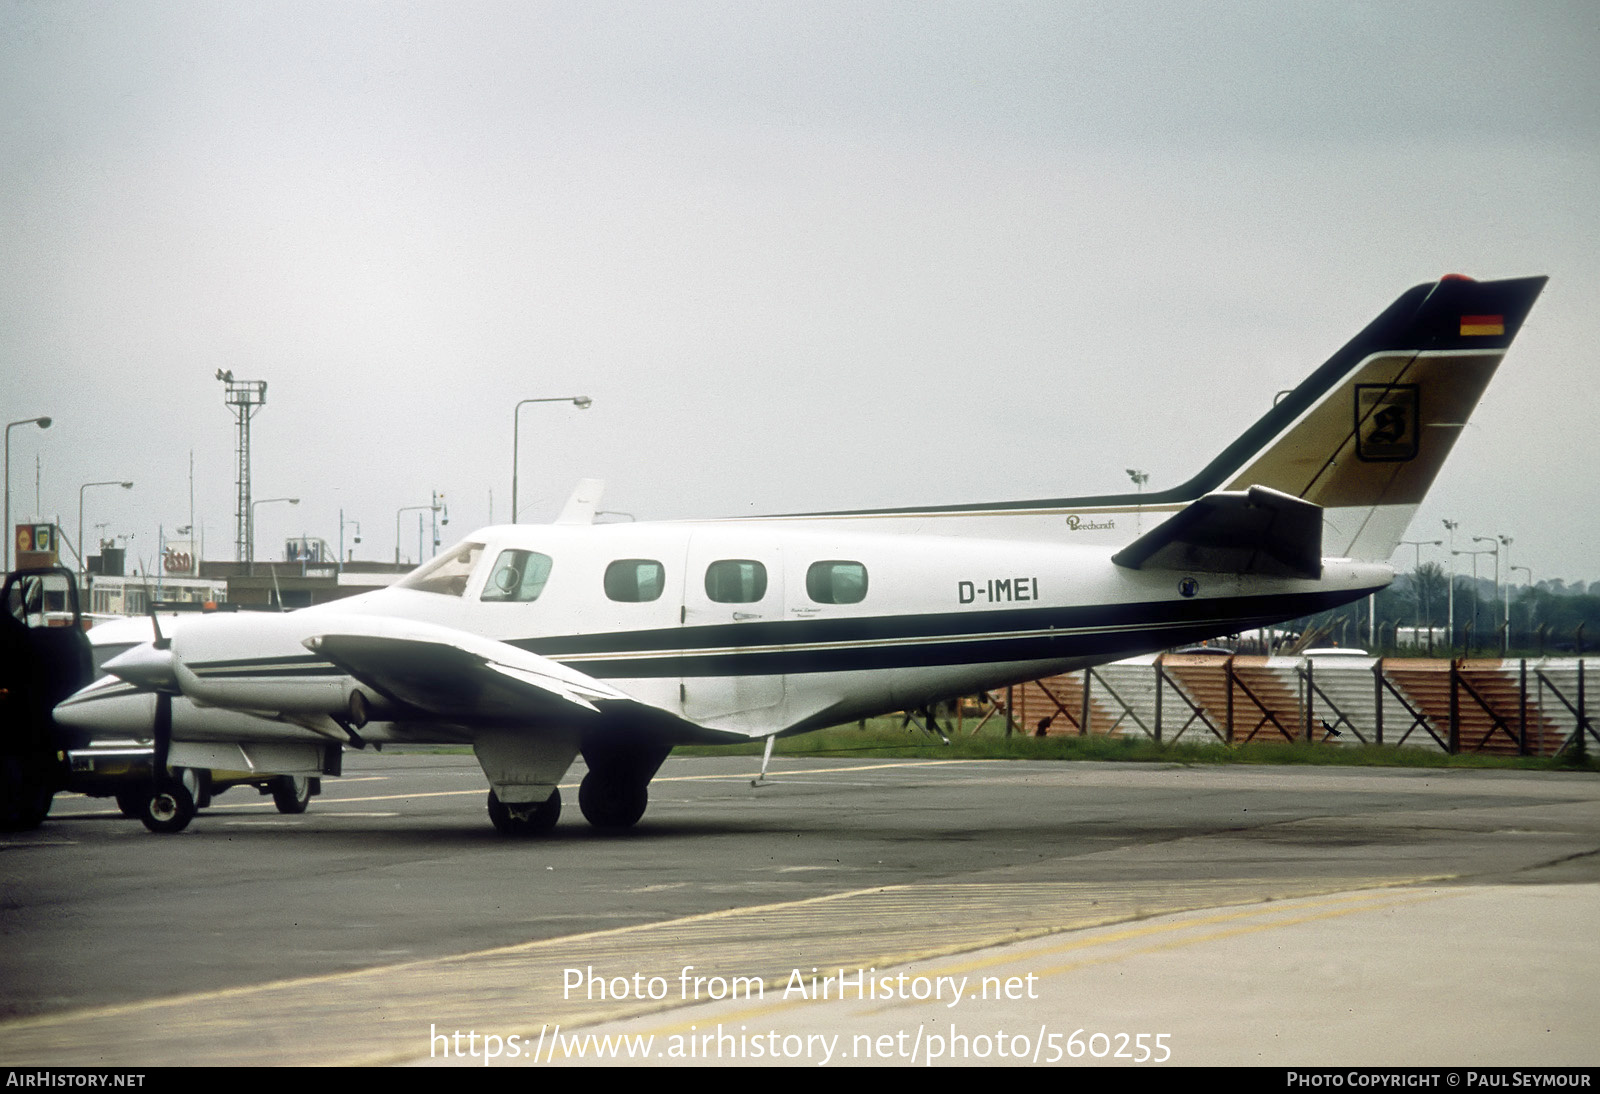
(45, 655)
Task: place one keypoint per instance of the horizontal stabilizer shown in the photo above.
(1256, 531)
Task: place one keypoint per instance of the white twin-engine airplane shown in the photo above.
(536, 643)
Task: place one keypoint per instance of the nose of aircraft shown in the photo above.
(147, 667)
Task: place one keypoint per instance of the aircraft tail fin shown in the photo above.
(1362, 438)
(1365, 435)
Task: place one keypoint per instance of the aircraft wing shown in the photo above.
(455, 676)
(1255, 531)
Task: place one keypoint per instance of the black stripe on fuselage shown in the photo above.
(758, 648)
(906, 641)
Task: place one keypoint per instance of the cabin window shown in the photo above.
(518, 577)
(736, 581)
(635, 580)
(836, 582)
(446, 574)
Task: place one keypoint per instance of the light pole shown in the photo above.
(437, 506)
(251, 546)
(82, 565)
(1531, 601)
(1474, 555)
(434, 506)
(342, 523)
(1492, 549)
(42, 423)
(1505, 541)
(1427, 612)
(1450, 625)
(582, 402)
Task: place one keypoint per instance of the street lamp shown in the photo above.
(251, 561)
(1492, 549)
(1505, 541)
(1475, 555)
(342, 523)
(1531, 601)
(1427, 607)
(1419, 544)
(434, 506)
(582, 402)
(82, 565)
(1450, 624)
(42, 423)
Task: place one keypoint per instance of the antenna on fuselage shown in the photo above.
(766, 758)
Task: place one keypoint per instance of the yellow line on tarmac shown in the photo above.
(64, 1017)
(1317, 909)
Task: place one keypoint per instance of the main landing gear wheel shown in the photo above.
(169, 807)
(612, 804)
(291, 793)
(537, 822)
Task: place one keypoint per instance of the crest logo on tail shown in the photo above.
(1386, 422)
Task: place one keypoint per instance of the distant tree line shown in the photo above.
(1552, 617)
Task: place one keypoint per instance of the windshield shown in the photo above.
(446, 574)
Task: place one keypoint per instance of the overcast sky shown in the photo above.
(801, 255)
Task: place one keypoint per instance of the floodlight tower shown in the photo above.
(244, 397)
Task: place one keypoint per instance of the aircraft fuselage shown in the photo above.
(745, 629)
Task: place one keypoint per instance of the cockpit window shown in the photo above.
(635, 580)
(518, 577)
(446, 574)
(736, 581)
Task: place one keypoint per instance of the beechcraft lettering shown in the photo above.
(537, 644)
(998, 590)
(1078, 524)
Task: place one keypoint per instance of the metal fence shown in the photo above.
(1508, 707)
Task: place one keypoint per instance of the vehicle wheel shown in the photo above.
(612, 803)
(168, 808)
(130, 802)
(537, 823)
(24, 803)
(291, 793)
